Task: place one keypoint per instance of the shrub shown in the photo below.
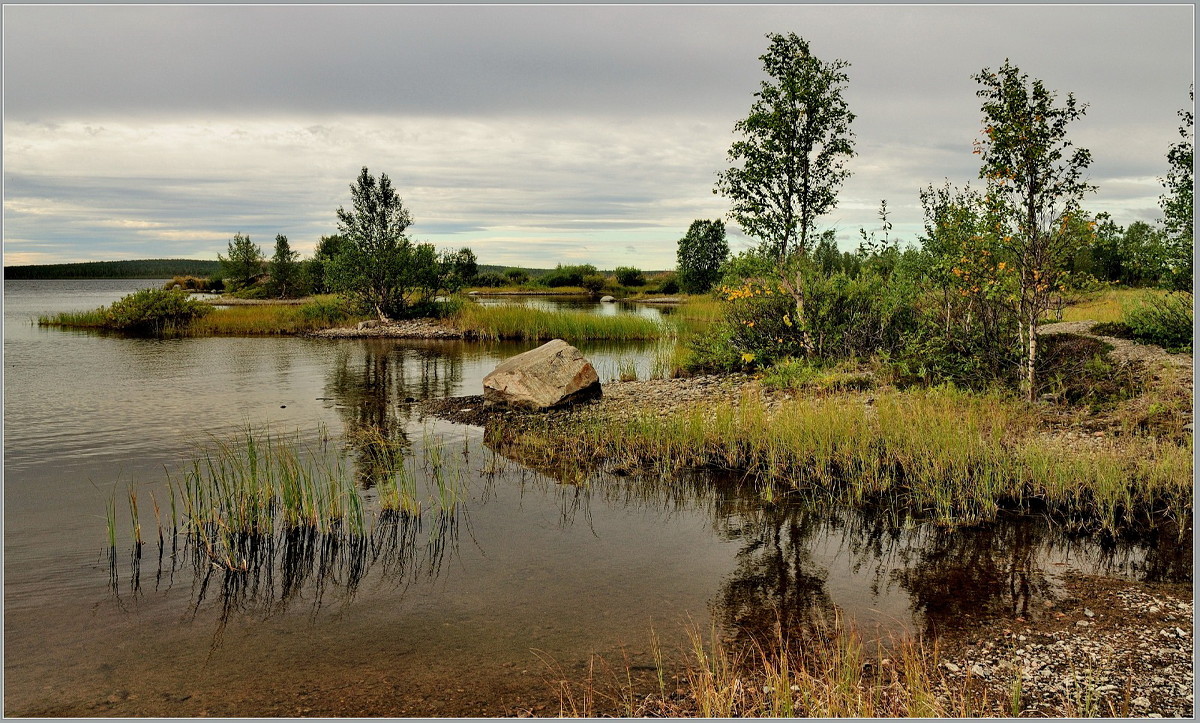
(567, 275)
(1162, 320)
(490, 279)
(155, 311)
(629, 276)
(593, 283)
(516, 277)
(668, 283)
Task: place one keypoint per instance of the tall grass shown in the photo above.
(948, 456)
(517, 322)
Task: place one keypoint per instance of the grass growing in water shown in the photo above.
(952, 457)
(517, 322)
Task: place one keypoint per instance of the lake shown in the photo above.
(477, 613)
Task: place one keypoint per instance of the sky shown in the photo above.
(533, 134)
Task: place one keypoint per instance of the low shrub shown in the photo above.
(516, 277)
(567, 275)
(668, 283)
(154, 311)
(594, 283)
(1162, 320)
(490, 280)
(629, 276)
(256, 291)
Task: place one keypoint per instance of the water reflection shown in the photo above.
(795, 554)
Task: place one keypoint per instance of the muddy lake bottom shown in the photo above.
(481, 610)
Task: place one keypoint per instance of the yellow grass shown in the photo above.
(1104, 306)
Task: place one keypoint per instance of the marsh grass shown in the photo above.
(518, 322)
(944, 455)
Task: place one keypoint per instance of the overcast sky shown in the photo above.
(533, 134)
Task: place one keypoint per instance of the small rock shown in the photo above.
(1082, 624)
(950, 666)
(1089, 613)
(1142, 702)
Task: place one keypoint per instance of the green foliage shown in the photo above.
(1135, 256)
(1035, 185)
(594, 283)
(701, 252)
(1176, 204)
(516, 277)
(319, 272)
(567, 275)
(629, 276)
(283, 269)
(490, 279)
(791, 157)
(154, 311)
(667, 283)
(1162, 320)
(462, 266)
(377, 266)
(243, 264)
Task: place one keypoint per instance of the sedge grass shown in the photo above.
(948, 456)
(522, 323)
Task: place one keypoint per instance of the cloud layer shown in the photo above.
(533, 134)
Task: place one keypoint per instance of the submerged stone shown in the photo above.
(553, 375)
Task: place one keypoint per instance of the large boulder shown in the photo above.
(552, 375)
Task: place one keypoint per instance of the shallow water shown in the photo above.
(474, 612)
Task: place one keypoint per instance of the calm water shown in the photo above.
(471, 614)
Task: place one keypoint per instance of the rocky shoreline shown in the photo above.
(409, 329)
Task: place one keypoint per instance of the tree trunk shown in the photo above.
(1031, 362)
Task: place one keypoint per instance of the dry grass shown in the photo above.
(1105, 306)
(519, 322)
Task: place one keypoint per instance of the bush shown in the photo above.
(154, 311)
(516, 277)
(490, 279)
(594, 283)
(667, 283)
(567, 275)
(629, 276)
(1162, 320)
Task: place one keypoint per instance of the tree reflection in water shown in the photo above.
(781, 579)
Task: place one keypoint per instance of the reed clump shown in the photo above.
(517, 322)
(952, 457)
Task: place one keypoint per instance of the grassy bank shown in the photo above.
(517, 322)
(945, 455)
(321, 312)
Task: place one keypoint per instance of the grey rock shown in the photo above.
(607, 299)
(552, 375)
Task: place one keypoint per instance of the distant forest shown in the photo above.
(159, 269)
(137, 269)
